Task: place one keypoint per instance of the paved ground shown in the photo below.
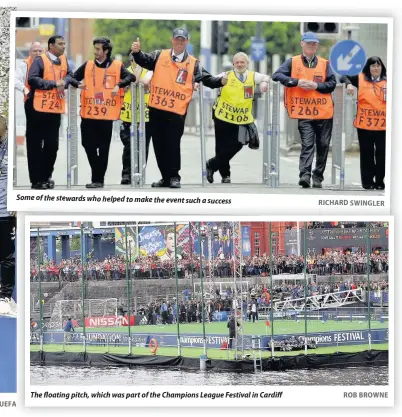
(246, 171)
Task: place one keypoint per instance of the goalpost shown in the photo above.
(65, 309)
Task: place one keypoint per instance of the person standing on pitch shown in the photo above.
(175, 74)
(309, 82)
(370, 120)
(7, 234)
(232, 109)
(48, 77)
(143, 76)
(21, 72)
(102, 82)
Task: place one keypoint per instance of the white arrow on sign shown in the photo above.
(343, 61)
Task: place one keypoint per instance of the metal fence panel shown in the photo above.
(72, 137)
(338, 135)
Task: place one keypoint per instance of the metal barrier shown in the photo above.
(338, 136)
(72, 138)
(134, 144)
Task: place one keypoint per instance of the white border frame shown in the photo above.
(258, 203)
(293, 396)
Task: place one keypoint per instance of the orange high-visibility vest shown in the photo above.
(48, 101)
(371, 104)
(28, 61)
(96, 100)
(308, 104)
(172, 83)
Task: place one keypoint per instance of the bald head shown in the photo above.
(36, 49)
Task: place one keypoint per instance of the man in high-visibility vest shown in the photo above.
(309, 82)
(175, 74)
(232, 109)
(21, 72)
(102, 82)
(143, 76)
(48, 77)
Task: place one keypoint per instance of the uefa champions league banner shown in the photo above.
(245, 237)
(353, 337)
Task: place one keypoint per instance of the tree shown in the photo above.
(153, 34)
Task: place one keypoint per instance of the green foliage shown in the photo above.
(153, 34)
(281, 37)
(75, 243)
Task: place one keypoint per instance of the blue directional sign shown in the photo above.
(190, 49)
(258, 49)
(347, 58)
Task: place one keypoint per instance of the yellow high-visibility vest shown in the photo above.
(235, 103)
(125, 114)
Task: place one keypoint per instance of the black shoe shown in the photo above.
(39, 186)
(159, 184)
(225, 180)
(49, 184)
(305, 181)
(368, 187)
(175, 182)
(125, 181)
(95, 185)
(317, 183)
(210, 174)
(380, 187)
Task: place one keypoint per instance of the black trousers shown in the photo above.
(42, 140)
(166, 130)
(7, 256)
(314, 134)
(232, 336)
(372, 156)
(125, 138)
(96, 136)
(226, 146)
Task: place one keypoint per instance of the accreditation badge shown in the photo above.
(384, 93)
(99, 98)
(182, 76)
(248, 91)
(317, 78)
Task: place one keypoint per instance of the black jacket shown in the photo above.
(354, 80)
(126, 77)
(282, 74)
(36, 81)
(148, 61)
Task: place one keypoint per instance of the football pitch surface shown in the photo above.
(280, 327)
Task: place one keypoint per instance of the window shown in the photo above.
(27, 22)
(256, 244)
(275, 244)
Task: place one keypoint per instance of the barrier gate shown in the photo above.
(271, 138)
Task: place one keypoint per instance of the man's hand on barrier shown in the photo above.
(60, 84)
(82, 86)
(26, 91)
(136, 46)
(115, 91)
(196, 86)
(350, 90)
(224, 79)
(264, 86)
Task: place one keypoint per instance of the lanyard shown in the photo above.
(104, 77)
(54, 71)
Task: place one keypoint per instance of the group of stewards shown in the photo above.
(170, 77)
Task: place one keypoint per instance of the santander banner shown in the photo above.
(109, 321)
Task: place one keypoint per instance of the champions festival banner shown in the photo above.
(159, 240)
(322, 339)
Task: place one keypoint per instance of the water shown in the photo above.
(65, 375)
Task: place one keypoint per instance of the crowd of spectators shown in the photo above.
(114, 267)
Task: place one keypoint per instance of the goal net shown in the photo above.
(65, 309)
